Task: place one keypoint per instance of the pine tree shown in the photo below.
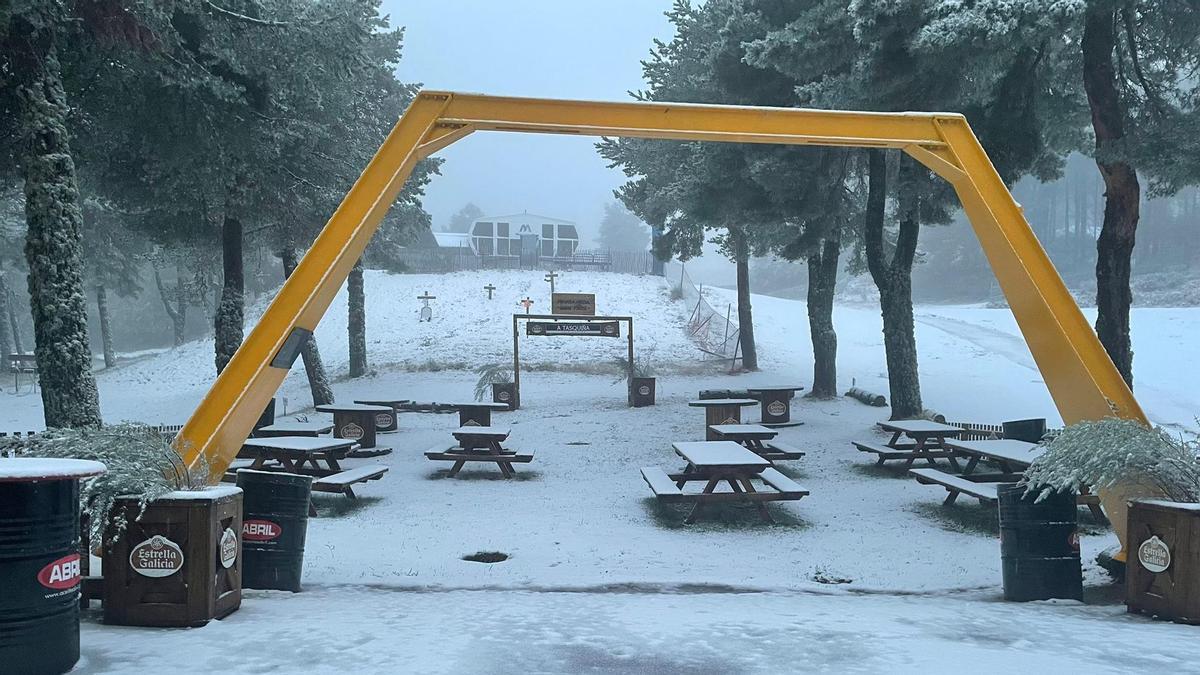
(620, 230)
(30, 34)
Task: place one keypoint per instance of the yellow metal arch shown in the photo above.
(1078, 372)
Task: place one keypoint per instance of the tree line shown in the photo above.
(1110, 79)
(137, 134)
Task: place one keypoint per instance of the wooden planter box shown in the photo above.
(180, 565)
(504, 392)
(1162, 573)
(641, 392)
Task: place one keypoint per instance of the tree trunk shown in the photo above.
(231, 311)
(110, 355)
(12, 322)
(357, 321)
(177, 312)
(894, 281)
(318, 380)
(745, 314)
(1114, 247)
(822, 281)
(53, 244)
(6, 345)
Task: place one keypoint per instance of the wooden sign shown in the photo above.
(593, 329)
(577, 304)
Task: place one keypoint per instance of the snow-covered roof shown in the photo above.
(452, 239)
(523, 216)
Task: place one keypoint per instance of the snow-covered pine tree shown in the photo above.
(29, 47)
(314, 368)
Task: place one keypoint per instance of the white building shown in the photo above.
(505, 236)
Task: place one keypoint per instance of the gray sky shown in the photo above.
(586, 49)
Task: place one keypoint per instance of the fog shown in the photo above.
(550, 48)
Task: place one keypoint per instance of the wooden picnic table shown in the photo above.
(475, 413)
(358, 422)
(294, 428)
(776, 404)
(393, 422)
(1012, 455)
(480, 444)
(929, 441)
(756, 438)
(721, 411)
(299, 454)
(720, 461)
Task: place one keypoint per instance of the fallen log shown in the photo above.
(867, 397)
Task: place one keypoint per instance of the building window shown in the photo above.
(547, 231)
(502, 246)
(483, 230)
(484, 245)
(566, 248)
(547, 248)
(502, 230)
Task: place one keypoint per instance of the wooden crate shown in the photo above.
(180, 565)
(1163, 532)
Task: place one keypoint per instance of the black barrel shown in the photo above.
(1039, 545)
(40, 565)
(1030, 431)
(274, 523)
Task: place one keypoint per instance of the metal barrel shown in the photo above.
(1030, 431)
(39, 576)
(1039, 545)
(274, 524)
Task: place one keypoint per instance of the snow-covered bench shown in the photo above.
(908, 453)
(956, 485)
(776, 451)
(343, 482)
(666, 488)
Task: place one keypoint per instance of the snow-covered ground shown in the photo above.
(869, 573)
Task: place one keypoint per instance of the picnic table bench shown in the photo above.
(306, 455)
(721, 411)
(716, 462)
(294, 428)
(928, 442)
(480, 444)
(758, 439)
(1012, 457)
(476, 413)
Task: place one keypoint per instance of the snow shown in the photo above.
(211, 494)
(26, 469)
(869, 572)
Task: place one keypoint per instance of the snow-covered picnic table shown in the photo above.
(298, 454)
(756, 438)
(716, 462)
(480, 444)
(928, 442)
(475, 413)
(721, 411)
(294, 428)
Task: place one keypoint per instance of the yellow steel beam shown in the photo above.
(1082, 380)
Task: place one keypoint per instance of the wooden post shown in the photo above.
(516, 403)
(629, 384)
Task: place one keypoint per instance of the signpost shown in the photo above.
(551, 276)
(575, 304)
(582, 324)
(489, 288)
(527, 303)
(595, 328)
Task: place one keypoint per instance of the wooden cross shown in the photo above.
(551, 276)
(489, 288)
(426, 310)
(527, 303)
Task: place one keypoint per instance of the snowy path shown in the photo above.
(381, 630)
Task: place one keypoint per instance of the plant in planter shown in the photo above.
(171, 546)
(499, 380)
(1160, 534)
(641, 379)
